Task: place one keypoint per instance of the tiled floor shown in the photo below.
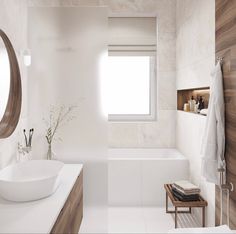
(132, 220)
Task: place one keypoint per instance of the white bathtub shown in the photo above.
(136, 176)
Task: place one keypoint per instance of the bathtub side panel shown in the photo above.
(124, 183)
(141, 182)
(155, 174)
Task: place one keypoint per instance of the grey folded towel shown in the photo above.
(183, 197)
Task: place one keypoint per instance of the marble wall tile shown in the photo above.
(195, 75)
(166, 93)
(157, 134)
(166, 52)
(194, 37)
(166, 13)
(160, 134)
(124, 135)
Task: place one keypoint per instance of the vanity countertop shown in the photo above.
(38, 216)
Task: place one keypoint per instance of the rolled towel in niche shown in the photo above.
(204, 111)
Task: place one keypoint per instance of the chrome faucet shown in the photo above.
(23, 150)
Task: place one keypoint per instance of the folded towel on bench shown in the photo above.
(183, 197)
(186, 187)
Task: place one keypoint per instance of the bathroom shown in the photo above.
(117, 153)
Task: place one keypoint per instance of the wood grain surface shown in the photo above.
(226, 48)
(70, 217)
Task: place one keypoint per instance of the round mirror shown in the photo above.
(10, 87)
(5, 78)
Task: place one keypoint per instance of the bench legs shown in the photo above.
(203, 217)
(176, 212)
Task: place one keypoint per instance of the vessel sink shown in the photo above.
(31, 180)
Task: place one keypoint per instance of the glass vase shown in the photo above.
(49, 153)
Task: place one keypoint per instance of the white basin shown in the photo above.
(31, 180)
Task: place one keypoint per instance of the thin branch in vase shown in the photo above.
(59, 116)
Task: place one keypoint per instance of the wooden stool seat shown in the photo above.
(201, 203)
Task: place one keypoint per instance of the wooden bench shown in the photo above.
(201, 203)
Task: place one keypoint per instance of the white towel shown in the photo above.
(213, 145)
(185, 185)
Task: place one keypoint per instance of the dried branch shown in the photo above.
(58, 117)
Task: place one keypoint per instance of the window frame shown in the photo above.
(152, 99)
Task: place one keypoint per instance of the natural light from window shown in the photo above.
(129, 85)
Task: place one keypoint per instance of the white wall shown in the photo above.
(160, 133)
(67, 47)
(195, 57)
(13, 21)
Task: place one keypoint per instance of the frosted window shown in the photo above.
(129, 85)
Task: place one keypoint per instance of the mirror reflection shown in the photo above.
(4, 78)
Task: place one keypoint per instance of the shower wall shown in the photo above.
(195, 58)
(68, 47)
(161, 132)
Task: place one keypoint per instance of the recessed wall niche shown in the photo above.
(184, 95)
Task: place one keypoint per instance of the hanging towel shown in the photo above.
(213, 144)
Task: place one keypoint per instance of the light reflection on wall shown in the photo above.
(103, 76)
(4, 79)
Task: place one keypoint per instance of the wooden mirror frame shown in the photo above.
(11, 115)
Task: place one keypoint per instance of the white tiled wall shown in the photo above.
(195, 57)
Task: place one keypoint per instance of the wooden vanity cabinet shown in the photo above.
(70, 217)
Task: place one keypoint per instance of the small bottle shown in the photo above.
(186, 107)
(192, 104)
(201, 103)
(196, 108)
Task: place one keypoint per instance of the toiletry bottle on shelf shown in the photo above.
(197, 105)
(201, 103)
(196, 108)
(186, 107)
(192, 104)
